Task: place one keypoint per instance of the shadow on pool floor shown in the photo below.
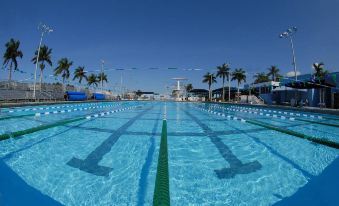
(321, 190)
(16, 192)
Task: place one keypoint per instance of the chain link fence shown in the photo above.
(16, 91)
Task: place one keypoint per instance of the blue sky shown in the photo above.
(178, 33)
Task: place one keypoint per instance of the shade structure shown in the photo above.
(328, 81)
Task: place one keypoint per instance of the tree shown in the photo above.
(44, 56)
(273, 71)
(209, 79)
(80, 74)
(224, 72)
(101, 78)
(279, 77)
(239, 75)
(319, 74)
(138, 93)
(92, 79)
(63, 68)
(10, 56)
(188, 87)
(261, 77)
(319, 70)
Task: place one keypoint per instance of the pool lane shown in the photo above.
(212, 160)
(306, 127)
(275, 137)
(90, 163)
(30, 121)
(194, 159)
(236, 166)
(132, 158)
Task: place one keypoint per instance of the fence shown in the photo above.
(23, 91)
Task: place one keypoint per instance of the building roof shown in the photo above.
(330, 80)
(199, 91)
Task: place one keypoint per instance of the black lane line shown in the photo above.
(192, 134)
(90, 164)
(275, 152)
(236, 166)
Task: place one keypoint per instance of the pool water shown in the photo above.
(111, 159)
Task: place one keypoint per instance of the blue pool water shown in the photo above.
(213, 159)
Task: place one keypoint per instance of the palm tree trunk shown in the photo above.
(229, 88)
(324, 92)
(10, 72)
(209, 92)
(319, 96)
(41, 73)
(63, 84)
(238, 92)
(223, 89)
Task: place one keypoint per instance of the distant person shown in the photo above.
(306, 102)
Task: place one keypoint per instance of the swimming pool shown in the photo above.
(106, 154)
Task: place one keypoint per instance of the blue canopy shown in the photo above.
(98, 96)
(76, 96)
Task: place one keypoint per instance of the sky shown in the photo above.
(182, 34)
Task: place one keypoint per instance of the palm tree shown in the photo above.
(80, 74)
(274, 72)
(224, 72)
(92, 79)
(319, 70)
(261, 77)
(319, 73)
(63, 68)
(11, 55)
(188, 87)
(44, 55)
(209, 79)
(279, 77)
(239, 75)
(101, 78)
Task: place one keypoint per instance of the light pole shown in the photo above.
(288, 34)
(44, 29)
